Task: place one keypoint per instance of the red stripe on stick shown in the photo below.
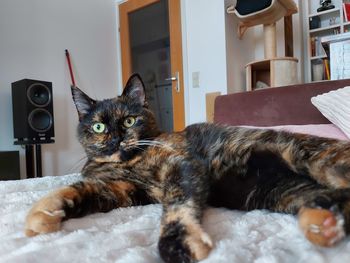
(70, 67)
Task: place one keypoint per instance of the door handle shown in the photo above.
(177, 79)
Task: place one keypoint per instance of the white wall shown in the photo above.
(204, 44)
(34, 35)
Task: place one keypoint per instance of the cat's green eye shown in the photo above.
(129, 122)
(99, 127)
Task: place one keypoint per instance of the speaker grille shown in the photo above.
(40, 120)
(39, 94)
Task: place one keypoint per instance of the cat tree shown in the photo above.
(273, 71)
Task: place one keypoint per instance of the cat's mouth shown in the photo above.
(107, 153)
(128, 144)
(117, 154)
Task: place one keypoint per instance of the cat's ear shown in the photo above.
(135, 89)
(82, 102)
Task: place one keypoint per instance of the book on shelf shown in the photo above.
(327, 73)
(316, 47)
(346, 10)
(312, 46)
(336, 31)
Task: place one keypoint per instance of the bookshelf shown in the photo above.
(319, 25)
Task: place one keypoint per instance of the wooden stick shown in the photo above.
(70, 67)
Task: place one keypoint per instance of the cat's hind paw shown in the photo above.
(180, 243)
(321, 226)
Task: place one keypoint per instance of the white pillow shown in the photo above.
(335, 106)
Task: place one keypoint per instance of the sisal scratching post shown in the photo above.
(270, 42)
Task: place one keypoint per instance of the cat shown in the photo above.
(131, 162)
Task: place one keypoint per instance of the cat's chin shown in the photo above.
(117, 157)
(113, 158)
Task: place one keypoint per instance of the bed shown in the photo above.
(130, 234)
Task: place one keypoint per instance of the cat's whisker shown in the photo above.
(136, 147)
(140, 148)
(148, 139)
(133, 145)
(147, 143)
(76, 165)
(156, 145)
(151, 141)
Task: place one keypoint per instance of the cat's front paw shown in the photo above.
(321, 226)
(180, 243)
(45, 216)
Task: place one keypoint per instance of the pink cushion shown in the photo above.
(321, 130)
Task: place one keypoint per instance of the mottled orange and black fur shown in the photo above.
(130, 162)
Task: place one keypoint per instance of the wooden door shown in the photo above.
(127, 11)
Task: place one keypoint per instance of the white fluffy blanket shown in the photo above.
(130, 234)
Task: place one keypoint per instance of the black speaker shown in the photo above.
(32, 106)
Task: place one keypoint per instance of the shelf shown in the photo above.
(324, 28)
(322, 80)
(335, 38)
(316, 39)
(318, 57)
(334, 10)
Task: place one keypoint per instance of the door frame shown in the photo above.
(174, 9)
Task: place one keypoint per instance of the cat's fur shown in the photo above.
(206, 164)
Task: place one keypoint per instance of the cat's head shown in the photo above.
(109, 130)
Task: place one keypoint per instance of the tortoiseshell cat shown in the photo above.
(130, 162)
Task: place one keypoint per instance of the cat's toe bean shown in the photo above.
(321, 226)
(59, 213)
